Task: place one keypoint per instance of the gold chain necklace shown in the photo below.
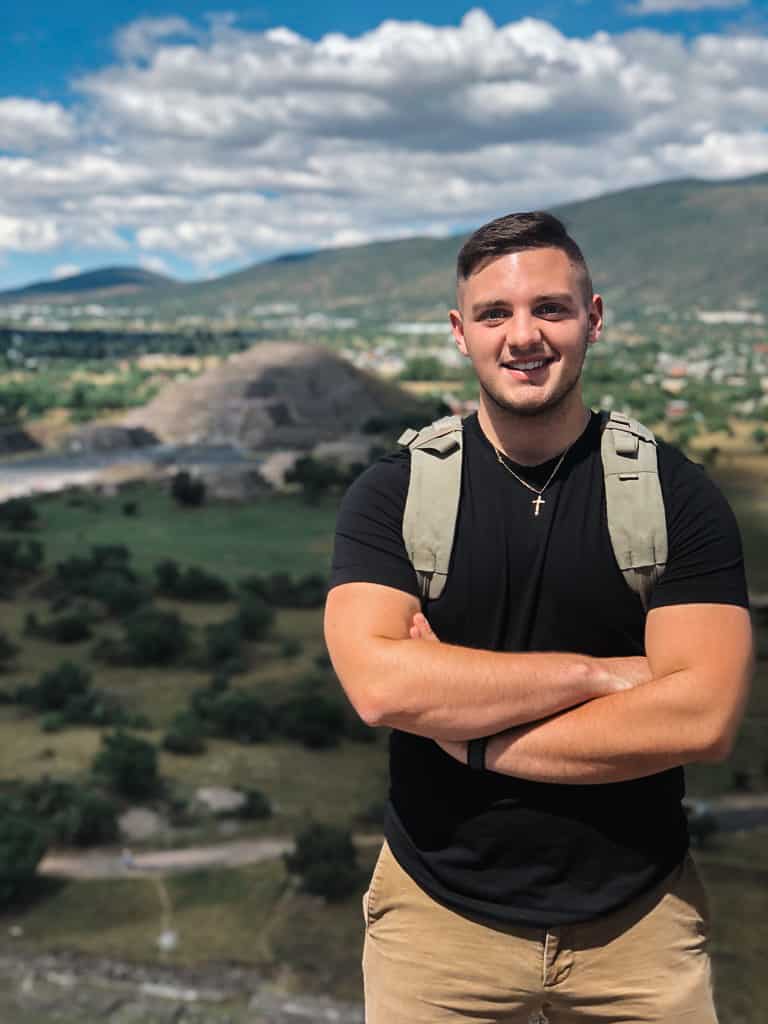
(538, 501)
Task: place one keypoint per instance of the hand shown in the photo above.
(421, 629)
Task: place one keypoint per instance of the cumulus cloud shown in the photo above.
(672, 6)
(28, 125)
(234, 145)
(141, 38)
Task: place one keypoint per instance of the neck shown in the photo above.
(532, 439)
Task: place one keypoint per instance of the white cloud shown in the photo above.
(65, 270)
(139, 39)
(233, 145)
(27, 125)
(672, 6)
(155, 263)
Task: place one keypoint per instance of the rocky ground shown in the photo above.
(71, 989)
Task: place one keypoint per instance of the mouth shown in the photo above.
(527, 369)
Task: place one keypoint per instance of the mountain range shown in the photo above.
(677, 245)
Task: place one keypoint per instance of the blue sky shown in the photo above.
(195, 140)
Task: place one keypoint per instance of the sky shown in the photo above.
(194, 140)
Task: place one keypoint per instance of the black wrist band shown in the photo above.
(476, 754)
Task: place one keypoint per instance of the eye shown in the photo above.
(550, 309)
(494, 314)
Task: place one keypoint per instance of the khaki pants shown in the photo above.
(426, 964)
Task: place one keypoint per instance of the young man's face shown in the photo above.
(525, 323)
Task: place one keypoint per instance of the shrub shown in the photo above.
(256, 806)
(18, 514)
(185, 735)
(187, 490)
(167, 576)
(282, 591)
(196, 584)
(130, 508)
(73, 814)
(154, 637)
(57, 687)
(314, 720)
(223, 642)
(8, 650)
(326, 859)
(67, 629)
(128, 764)
(291, 647)
(237, 715)
(120, 594)
(23, 842)
(255, 618)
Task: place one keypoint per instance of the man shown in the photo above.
(554, 884)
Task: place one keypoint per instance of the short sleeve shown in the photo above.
(705, 563)
(368, 545)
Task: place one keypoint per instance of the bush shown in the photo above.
(67, 629)
(154, 637)
(255, 618)
(291, 647)
(314, 720)
(187, 490)
(120, 594)
(196, 584)
(8, 650)
(18, 514)
(235, 715)
(256, 806)
(282, 591)
(74, 815)
(57, 687)
(128, 764)
(326, 859)
(185, 735)
(23, 842)
(223, 642)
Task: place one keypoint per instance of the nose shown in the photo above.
(523, 331)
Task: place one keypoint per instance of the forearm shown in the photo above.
(450, 692)
(622, 736)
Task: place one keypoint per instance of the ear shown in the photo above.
(457, 329)
(595, 319)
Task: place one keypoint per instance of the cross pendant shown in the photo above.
(537, 503)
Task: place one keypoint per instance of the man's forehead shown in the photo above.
(536, 270)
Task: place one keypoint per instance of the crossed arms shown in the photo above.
(553, 717)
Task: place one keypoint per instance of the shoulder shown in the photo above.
(381, 488)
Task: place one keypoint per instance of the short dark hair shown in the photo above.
(513, 233)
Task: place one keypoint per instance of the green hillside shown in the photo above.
(680, 244)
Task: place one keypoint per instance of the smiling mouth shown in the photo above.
(526, 365)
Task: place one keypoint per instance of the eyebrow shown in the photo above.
(479, 307)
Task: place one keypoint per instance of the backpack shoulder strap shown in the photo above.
(432, 505)
(637, 521)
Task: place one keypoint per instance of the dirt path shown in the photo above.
(113, 863)
(733, 812)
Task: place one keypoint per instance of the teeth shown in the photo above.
(533, 365)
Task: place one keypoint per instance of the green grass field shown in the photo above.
(279, 533)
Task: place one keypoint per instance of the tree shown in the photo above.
(23, 842)
(128, 764)
(326, 859)
(57, 687)
(186, 734)
(187, 490)
(154, 637)
(313, 719)
(255, 618)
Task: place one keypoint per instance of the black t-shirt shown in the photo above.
(493, 846)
